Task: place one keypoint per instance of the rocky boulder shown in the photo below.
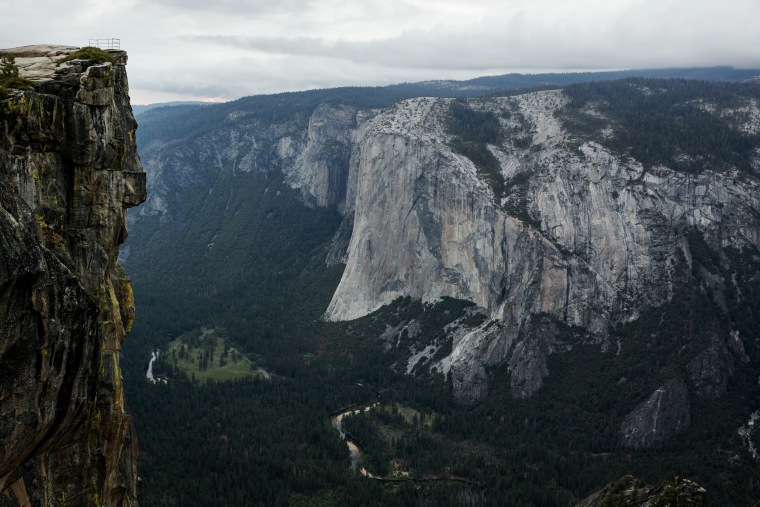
(631, 492)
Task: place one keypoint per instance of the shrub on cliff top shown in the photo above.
(8, 67)
(9, 77)
(89, 53)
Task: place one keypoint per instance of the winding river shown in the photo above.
(356, 452)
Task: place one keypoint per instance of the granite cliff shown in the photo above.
(69, 169)
(581, 234)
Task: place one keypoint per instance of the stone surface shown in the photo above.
(710, 370)
(68, 171)
(750, 435)
(631, 492)
(596, 243)
(38, 61)
(662, 415)
(321, 169)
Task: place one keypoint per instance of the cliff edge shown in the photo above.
(69, 170)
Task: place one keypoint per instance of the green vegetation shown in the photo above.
(187, 123)
(563, 443)
(668, 122)
(97, 55)
(8, 67)
(9, 76)
(257, 442)
(270, 442)
(409, 414)
(517, 197)
(481, 127)
(9, 71)
(472, 132)
(231, 273)
(206, 355)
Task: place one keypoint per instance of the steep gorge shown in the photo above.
(69, 169)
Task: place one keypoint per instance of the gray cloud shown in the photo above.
(242, 8)
(562, 49)
(658, 37)
(193, 49)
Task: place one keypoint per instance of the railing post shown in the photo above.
(105, 43)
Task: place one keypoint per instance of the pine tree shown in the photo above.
(8, 67)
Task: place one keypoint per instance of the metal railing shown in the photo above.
(105, 43)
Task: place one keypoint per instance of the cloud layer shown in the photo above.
(192, 49)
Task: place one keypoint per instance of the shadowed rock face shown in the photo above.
(68, 171)
(710, 370)
(629, 491)
(662, 415)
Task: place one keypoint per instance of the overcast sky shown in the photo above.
(225, 49)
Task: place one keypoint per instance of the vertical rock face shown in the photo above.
(321, 169)
(68, 171)
(581, 234)
(423, 224)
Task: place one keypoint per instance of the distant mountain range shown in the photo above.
(141, 108)
(514, 81)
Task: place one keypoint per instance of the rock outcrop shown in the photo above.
(320, 170)
(750, 435)
(659, 417)
(631, 492)
(710, 370)
(68, 171)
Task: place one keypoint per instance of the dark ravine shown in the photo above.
(69, 169)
